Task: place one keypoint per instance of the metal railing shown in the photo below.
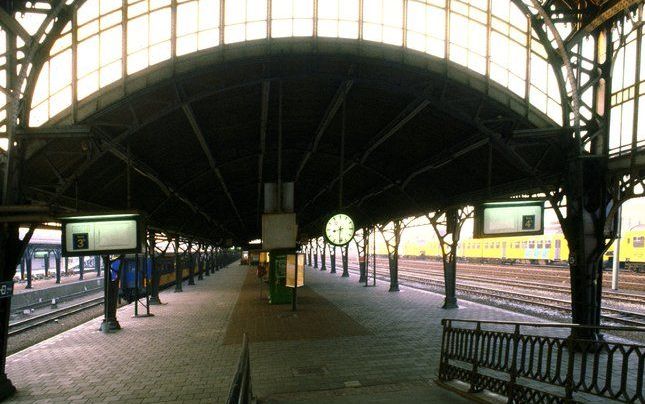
(241, 391)
(496, 356)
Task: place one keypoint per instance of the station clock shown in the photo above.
(339, 229)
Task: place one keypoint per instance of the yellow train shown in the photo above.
(544, 249)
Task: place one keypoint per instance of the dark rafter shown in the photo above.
(188, 111)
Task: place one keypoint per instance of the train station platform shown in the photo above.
(346, 344)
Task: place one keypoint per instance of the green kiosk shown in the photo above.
(279, 293)
(286, 273)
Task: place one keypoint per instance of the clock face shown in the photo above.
(339, 229)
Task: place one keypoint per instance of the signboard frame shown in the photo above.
(96, 217)
(478, 225)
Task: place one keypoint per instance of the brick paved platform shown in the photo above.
(179, 355)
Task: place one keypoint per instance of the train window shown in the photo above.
(517, 244)
(540, 244)
(524, 244)
(547, 244)
(639, 241)
(532, 244)
(497, 244)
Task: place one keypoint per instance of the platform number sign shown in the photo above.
(80, 241)
(101, 234)
(528, 222)
(6, 289)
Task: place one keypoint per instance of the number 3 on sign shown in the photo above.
(80, 241)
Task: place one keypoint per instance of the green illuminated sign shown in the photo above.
(513, 218)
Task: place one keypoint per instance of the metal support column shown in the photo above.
(589, 197)
(28, 273)
(586, 215)
(332, 258)
(191, 266)
(392, 241)
(111, 288)
(309, 254)
(57, 258)
(323, 254)
(199, 263)
(97, 263)
(362, 252)
(450, 261)
(616, 258)
(156, 274)
(178, 272)
(81, 267)
(344, 252)
(46, 262)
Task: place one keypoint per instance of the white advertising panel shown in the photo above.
(279, 230)
(295, 265)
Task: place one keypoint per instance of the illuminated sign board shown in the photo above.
(101, 234)
(512, 218)
(295, 268)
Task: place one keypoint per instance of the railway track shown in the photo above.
(608, 294)
(555, 275)
(20, 326)
(466, 291)
(558, 283)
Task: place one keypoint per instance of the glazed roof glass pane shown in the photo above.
(489, 38)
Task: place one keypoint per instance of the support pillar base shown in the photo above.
(155, 301)
(191, 282)
(450, 303)
(7, 389)
(345, 275)
(394, 288)
(591, 339)
(110, 325)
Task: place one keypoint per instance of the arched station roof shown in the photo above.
(437, 100)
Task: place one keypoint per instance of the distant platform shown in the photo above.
(347, 344)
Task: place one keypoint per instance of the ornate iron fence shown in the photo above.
(497, 356)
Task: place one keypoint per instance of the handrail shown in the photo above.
(539, 368)
(241, 391)
(544, 325)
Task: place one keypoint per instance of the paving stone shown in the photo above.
(386, 344)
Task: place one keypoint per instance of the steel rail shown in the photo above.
(18, 327)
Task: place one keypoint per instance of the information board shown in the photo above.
(101, 234)
(512, 218)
